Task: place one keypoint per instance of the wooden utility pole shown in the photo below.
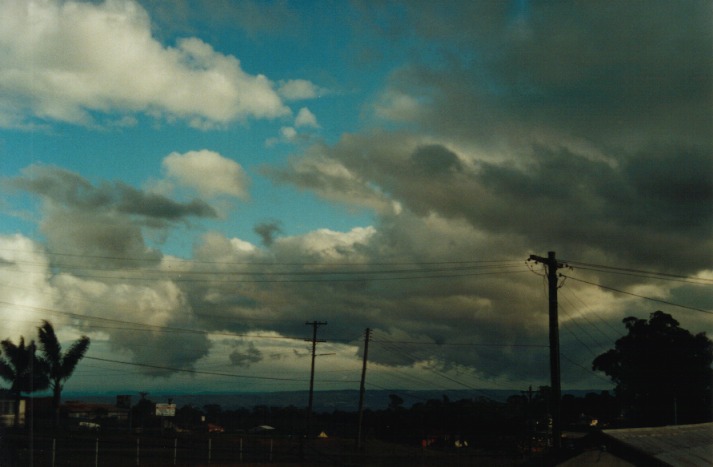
(315, 325)
(360, 436)
(552, 266)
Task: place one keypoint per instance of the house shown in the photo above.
(675, 445)
(90, 411)
(7, 410)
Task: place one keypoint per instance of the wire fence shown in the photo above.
(94, 449)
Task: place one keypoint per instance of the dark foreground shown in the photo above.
(201, 449)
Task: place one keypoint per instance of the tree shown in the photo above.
(662, 372)
(20, 366)
(59, 366)
(395, 402)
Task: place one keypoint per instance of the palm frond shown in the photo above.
(74, 355)
(49, 345)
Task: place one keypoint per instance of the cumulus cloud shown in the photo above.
(298, 89)
(639, 211)
(36, 284)
(70, 61)
(207, 172)
(267, 231)
(288, 133)
(325, 243)
(245, 358)
(24, 289)
(305, 118)
(104, 220)
(331, 179)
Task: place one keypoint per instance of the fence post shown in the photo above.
(138, 442)
(210, 445)
(96, 455)
(54, 450)
(175, 450)
(241, 449)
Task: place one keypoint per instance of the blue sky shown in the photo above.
(188, 182)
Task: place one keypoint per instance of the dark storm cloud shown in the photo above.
(151, 205)
(102, 221)
(96, 238)
(434, 159)
(75, 192)
(587, 129)
(267, 231)
(643, 209)
(555, 126)
(631, 72)
(61, 186)
(175, 353)
(244, 358)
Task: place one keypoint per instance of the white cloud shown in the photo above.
(288, 133)
(306, 118)
(24, 289)
(298, 89)
(66, 60)
(397, 106)
(325, 243)
(208, 172)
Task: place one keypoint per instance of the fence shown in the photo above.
(90, 449)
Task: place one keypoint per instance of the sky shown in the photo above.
(190, 182)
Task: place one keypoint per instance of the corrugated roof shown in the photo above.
(596, 458)
(677, 445)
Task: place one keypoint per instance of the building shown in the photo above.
(675, 445)
(89, 411)
(7, 410)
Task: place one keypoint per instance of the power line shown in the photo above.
(639, 296)
(640, 273)
(432, 369)
(258, 263)
(142, 326)
(209, 373)
(576, 323)
(310, 277)
(454, 344)
(617, 332)
(588, 370)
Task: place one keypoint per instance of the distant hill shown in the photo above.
(324, 401)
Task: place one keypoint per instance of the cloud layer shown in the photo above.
(69, 61)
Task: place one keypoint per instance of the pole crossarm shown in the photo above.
(547, 262)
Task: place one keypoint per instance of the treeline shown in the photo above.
(478, 422)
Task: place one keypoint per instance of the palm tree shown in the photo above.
(59, 366)
(24, 371)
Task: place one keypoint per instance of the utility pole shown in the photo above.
(315, 325)
(360, 437)
(552, 266)
(529, 421)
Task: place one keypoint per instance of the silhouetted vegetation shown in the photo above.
(58, 366)
(22, 369)
(477, 423)
(662, 372)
